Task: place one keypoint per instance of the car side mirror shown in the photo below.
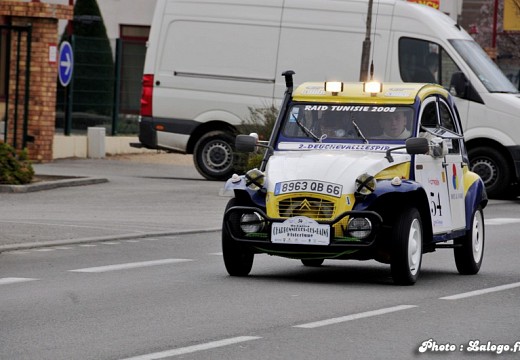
(245, 143)
(417, 145)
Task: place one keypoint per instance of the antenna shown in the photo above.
(365, 53)
(374, 44)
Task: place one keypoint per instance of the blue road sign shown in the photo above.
(65, 64)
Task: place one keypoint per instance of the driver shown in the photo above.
(332, 125)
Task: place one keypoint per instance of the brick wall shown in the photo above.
(43, 19)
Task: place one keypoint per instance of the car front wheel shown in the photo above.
(407, 241)
(237, 258)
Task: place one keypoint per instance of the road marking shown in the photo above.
(194, 348)
(501, 221)
(133, 265)
(14, 280)
(481, 292)
(354, 316)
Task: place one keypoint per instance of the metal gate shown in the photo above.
(15, 43)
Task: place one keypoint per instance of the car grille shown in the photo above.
(312, 207)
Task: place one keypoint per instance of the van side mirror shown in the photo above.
(245, 143)
(459, 84)
(461, 87)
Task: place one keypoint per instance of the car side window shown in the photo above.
(429, 116)
(448, 123)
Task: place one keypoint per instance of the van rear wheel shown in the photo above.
(492, 168)
(213, 155)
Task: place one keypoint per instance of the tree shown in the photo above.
(93, 60)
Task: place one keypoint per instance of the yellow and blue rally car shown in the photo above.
(358, 171)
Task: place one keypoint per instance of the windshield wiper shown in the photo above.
(307, 132)
(359, 132)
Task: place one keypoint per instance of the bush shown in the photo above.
(15, 166)
(261, 121)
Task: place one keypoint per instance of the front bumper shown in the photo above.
(339, 241)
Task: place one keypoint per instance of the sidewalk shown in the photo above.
(123, 197)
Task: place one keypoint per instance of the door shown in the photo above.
(442, 175)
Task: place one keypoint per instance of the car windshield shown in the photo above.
(487, 71)
(335, 122)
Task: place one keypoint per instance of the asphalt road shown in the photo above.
(170, 297)
(110, 289)
(137, 199)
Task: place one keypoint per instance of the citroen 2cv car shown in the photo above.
(353, 172)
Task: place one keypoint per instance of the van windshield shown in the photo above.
(487, 71)
(362, 123)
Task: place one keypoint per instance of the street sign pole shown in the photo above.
(65, 70)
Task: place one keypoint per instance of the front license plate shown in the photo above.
(310, 186)
(300, 230)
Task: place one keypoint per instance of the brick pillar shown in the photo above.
(41, 106)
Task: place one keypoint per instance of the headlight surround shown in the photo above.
(359, 227)
(365, 184)
(251, 223)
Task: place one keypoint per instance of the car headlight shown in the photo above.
(365, 184)
(255, 179)
(251, 223)
(359, 227)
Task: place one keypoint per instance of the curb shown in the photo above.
(32, 245)
(48, 185)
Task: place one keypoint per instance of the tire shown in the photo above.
(312, 262)
(470, 250)
(237, 258)
(407, 246)
(493, 169)
(213, 155)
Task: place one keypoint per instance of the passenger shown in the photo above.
(394, 126)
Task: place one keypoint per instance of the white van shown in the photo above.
(209, 62)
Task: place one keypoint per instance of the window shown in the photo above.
(425, 61)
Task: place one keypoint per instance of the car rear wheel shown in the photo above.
(407, 241)
(469, 249)
(237, 258)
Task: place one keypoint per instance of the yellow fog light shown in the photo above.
(334, 87)
(373, 87)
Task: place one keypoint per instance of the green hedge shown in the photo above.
(15, 166)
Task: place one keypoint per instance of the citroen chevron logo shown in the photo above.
(304, 205)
